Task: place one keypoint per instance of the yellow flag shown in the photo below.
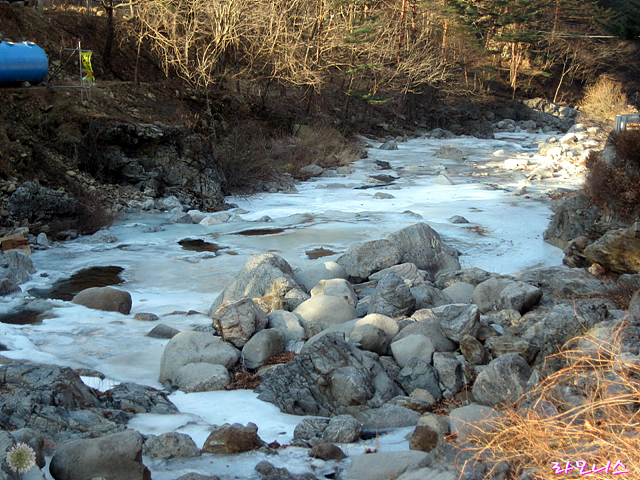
(86, 63)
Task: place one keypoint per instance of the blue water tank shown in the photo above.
(22, 62)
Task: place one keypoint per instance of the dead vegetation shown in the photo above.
(585, 415)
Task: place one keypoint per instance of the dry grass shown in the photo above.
(250, 155)
(604, 100)
(586, 412)
(614, 188)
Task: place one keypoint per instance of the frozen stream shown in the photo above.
(504, 235)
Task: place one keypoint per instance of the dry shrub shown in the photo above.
(243, 156)
(599, 424)
(614, 187)
(313, 145)
(603, 100)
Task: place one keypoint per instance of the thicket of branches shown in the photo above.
(368, 47)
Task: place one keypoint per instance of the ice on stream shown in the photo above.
(504, 235)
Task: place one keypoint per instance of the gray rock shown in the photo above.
(504, 344)
(327, 451)
(269, 472)
(8, 287)
(383, 465)
(457, 219)
(392, 298)
(197, 476)
(16, 266)
(503, 381)
(201, 377)
(116, 457)
(262, 275)
(336, 287)
(457, 319)
(573, 216)
(103, 236)
(503, 293)
(146, 317)
(194, 347)
(312, 170)
(181, 217)
(428, 474)
(561, 324)
(132, 397)
(389, 145)
(438, 423)
(383, 196)
(387, 416)
(562, 281)
(163, 331)
(326, 311)
(407, 271)
(427, 324)
(327, 377)
(449, 152)
(370, 338)
(422, 246)
(461, 292)
(419, 374)
(429, 297)
(42, 240)
(412, 346)
(387, 324)
(449, 371)
(473, 350)
(104, 298)
(309, 431)
(231, 439)
(471, 419)
(616, 251)
(363, 259)
(170, 445)
(288, 323)
(342, 429)
(474, 276)
(310, 276)
(262, 346)
(425, 439)
(238, 320)
(35, 203)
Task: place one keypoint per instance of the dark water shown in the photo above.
(89, 277)
(261, 231)
(198, 245)
(30, 312)
(319, 252)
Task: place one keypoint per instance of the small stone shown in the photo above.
(146, 317)
(327, 451)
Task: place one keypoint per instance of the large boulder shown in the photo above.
(454, 320)
(422, 246)
(261, 276)
(412, 346)
(503, 381)
(392, 298)
(329, 376)
(419, 374)
(194, 347)
(326, 311)
(201, 377)
(618, 251)
(117, 457)
(104, 298)
(503, 293)
(363, 259)
(238, 320)
(288, 323)
(573, 217)
(562, 281)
